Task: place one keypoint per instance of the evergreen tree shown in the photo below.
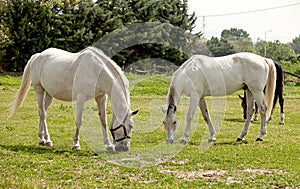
(28, 25)
(32, 26)
(142, 11)
(219, 47)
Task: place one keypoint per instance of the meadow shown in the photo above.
(150, 163)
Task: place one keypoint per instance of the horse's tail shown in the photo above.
(270, 87)
(24, 88)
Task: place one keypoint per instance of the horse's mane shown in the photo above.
(101, 53)
(117, 68)
(172, 90)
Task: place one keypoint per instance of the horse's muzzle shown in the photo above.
(121, 148)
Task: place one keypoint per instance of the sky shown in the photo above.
(281, 24)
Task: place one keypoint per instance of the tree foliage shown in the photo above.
(274, 50)
(32, 26)
(239, 39)
(295, 45)
(219, 47)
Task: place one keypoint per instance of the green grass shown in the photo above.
(274, 163)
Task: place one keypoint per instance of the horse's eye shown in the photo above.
(164, 122)
(174, 122)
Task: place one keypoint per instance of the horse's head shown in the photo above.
(121, 133)
(170, 122)
(244, 105)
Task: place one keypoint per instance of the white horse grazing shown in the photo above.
(202, 76)
(80, 76)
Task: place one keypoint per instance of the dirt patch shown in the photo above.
(221, 175)
(199, 174)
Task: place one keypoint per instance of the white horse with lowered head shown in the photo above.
(202, 76)
(78, 77)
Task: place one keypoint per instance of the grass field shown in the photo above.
(274, 163)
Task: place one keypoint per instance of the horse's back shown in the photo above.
(64, 75)
(221, 76)
(53, 69)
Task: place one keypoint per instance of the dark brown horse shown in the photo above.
(278, 94)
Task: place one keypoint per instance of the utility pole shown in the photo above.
(203, 25)
(266, 41)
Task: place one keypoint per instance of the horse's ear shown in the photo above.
(163, 110)
(175, 108)
(242, 98)
(134, 112)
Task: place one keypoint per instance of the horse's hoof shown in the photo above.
(259, 139)
(42, 143)
(239, 140)
(49, 143)
(211, 140)
(182, 141)
(281, 122)
(76, 147)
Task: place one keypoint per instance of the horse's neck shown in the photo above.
(120, 102)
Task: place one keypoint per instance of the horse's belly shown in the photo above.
(59, 87)
(65, 96)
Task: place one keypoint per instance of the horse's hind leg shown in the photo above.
(205, 114)
(43, 103)
(281, 102)
(48, 101)
(101, 102)
(262, 108)
(250, 104)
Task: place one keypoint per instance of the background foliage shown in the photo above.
(30, 26)
(237, 40)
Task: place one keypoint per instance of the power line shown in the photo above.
(251, 11)
(244, 12)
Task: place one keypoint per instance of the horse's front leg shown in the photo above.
(79, 111)
(101, 102)
(250, 104)
(206, 116)
(255, 117)
(194, 101)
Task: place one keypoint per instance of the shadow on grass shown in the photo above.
(240, 120)
(46, 150)
(220, 143)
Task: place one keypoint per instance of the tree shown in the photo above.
(219, 47)
(274, 50)
(234, 34)
(239, 39)
(175, 13)
(33, 26)
(27, 28)
(295, 45)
